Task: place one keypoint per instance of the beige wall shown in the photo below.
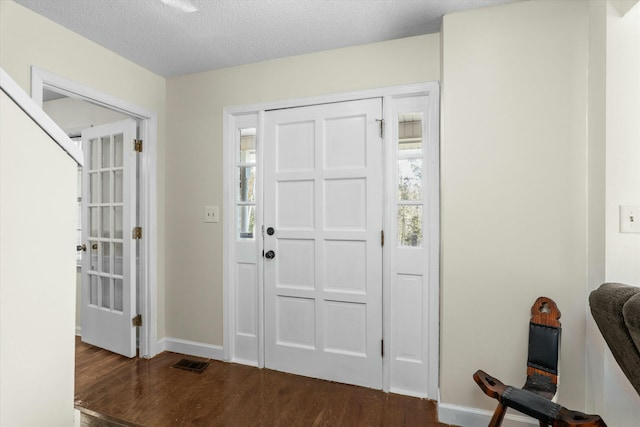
(194, 156)
(514, 151)
(28, 39)
(36, 274)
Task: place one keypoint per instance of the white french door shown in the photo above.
(322, 241)
(108, 215)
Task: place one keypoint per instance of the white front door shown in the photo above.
(108, 216)
(322, 232)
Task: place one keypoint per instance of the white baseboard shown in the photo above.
(245, 362)
(472, 417)
(78, 331)
(76, 418)
(191, 348)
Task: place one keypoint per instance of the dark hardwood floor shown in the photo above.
(152, 393)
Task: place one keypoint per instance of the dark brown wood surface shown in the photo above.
(544, 311)
(152, 393)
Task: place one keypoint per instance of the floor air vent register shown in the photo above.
(191, 365)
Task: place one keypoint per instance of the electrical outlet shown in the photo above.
(211, 214)
(630, 219)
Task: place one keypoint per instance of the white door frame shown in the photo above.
(42, 79)
(253, 114)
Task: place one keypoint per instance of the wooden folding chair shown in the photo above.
(534, 398)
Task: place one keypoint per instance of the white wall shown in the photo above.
(28, 39)
(614, 136)
(37, 222)
(514, 182)
(73, 114)
(194, 155)
(596, 194)
(623, 141)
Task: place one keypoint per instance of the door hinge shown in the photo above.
(137, 145)
(381, 348)
(381, 237)
(137, 233)
(381, 127)
(137, 321)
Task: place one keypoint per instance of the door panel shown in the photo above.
(108, 210)
(323, 196)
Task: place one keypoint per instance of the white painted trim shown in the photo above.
(473, 417)
(432, 89)
(435, 246)
(403, 90)
(388, 188)
(77, 417)
(35, 112)
(228, 276)
(192, 348)
(41, 79)
(231, 124)
(259, 225)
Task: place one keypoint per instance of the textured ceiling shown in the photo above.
(223, 33)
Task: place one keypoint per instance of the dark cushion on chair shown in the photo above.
(543, 347)
(530, 404)
(541, 385)
(607, 304)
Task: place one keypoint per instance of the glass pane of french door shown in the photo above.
(105, 205)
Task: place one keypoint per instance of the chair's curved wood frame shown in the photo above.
(530, 399)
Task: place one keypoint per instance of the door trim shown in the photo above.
(253, 113)
(42, 79)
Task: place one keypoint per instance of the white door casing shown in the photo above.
(323, 199)
(410, 285)
(108, 217)
(147, 191)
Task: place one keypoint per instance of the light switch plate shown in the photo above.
(211, 214)
(630, 219)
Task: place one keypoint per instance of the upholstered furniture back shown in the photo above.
(616, 309)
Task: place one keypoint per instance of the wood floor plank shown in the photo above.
(153, 393)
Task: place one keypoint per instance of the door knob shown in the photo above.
(81, 248)
(270, 231)
(270, 255)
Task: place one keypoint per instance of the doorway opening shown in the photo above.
(51, 87)
(298, 267)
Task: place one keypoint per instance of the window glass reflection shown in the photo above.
(247, 146)
(246, 183)
(410, 179)
(246, 221)
(410, 133)
(410, 225)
